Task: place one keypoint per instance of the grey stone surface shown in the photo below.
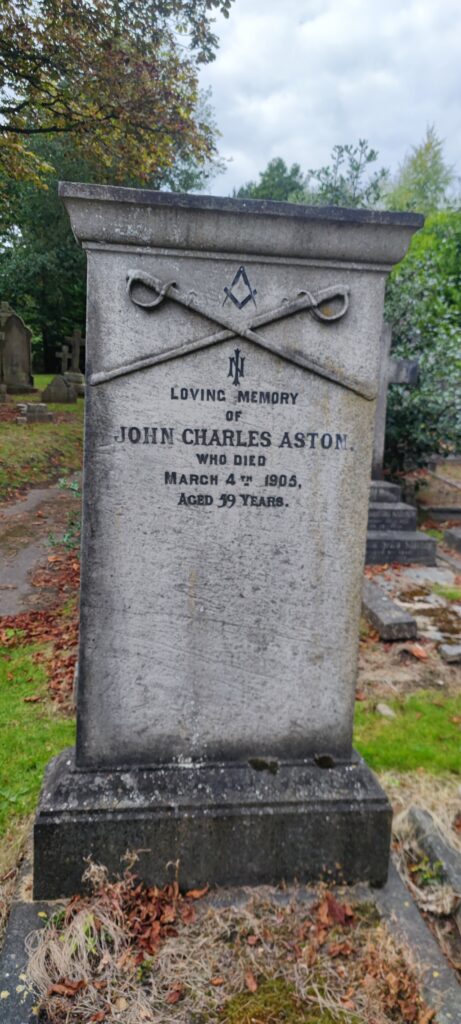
(215, 604)
(35, 412)
(59, 390)
(450, 652)
(391, 621)
(384, 491)
(440, 985)
(387, 515)
(232, 365)
(15, 352)
(399, 546)
(435, 846)
(452, 537)
(225, 824)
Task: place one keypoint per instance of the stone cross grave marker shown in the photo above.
(64, 356)
(391, 371)
(74, 375)
(233, 365)
(76, 342)
(15, 352)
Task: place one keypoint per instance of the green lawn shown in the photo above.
(37, 453)
(426, 733)
(30, 733)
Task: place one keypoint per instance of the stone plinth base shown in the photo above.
(225, 824)
(77, 380)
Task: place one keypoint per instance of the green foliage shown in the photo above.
(423, 304)
(121, 78)
(30, 733)
(277, 182)
(42, 269)
(345, 182)
(423, 179)
(424, 734)
(449, 593)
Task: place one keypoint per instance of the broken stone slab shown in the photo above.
(452, 537)
(450, 652)
(400, 546)
(391, 621)
(384, 490)
(34, 412)
(391, 515)
(435, 846)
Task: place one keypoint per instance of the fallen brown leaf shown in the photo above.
(174, 996)
(196, 894)
(250, 982)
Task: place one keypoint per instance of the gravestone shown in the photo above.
(64, 356)
(232, 372)
(59, 390)
(392, 534)
(15, 352)
(74, 375)
(34, 412)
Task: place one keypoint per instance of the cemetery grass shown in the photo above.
(38, 453)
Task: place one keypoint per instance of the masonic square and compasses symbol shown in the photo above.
(326, 305)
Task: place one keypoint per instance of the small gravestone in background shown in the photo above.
(392, 534)
(233, 357)
(34, 412)
(59, 390)
(15, 352)
(74, 375)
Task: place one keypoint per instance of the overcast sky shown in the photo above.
(294, 77)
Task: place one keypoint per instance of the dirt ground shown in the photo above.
(28, 528)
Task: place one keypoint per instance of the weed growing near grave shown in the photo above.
(133, 953)
(449, 593)
(426, 733)
(30, 731)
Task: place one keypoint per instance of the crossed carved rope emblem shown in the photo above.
(317, 305)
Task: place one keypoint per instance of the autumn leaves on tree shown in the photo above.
(120, 78)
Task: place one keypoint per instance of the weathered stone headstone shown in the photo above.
(232, 371)
(59, 390)
(74, 375)
(15, 352)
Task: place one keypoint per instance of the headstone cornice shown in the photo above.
(125, 216)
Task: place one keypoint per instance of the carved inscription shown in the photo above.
(229, 462)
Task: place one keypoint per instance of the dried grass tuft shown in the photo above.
(87, 964)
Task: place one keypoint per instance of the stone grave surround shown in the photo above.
(232, 370)
(15, 352)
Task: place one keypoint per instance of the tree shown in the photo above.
(343, 182)
(42, 270)
(276, 182)
(423, 304)
(120, 76)
(423, 179)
